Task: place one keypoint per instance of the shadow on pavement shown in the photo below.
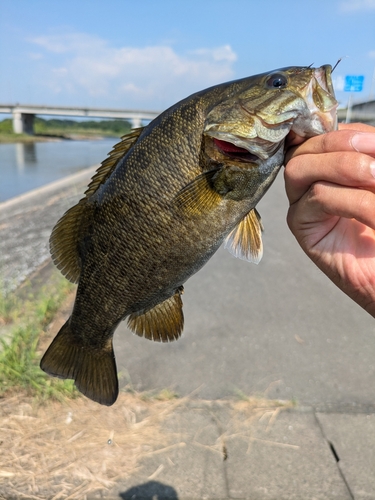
(152, 490)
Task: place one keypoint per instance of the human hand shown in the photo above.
(330, 184)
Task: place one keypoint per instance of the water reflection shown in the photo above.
(24, 167)
(25, 155)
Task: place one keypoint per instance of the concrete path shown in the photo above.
(220, 453)
(26, 223)
(279, 330)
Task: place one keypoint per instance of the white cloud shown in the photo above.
(357, 5)
(224, 53)
(35, 56)
(153, 76)
(69, 42)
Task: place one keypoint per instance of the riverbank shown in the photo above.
(28, 139)
(55, 129)
(24, 236)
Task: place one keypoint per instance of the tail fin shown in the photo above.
(93, 369)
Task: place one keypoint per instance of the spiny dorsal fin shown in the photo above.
(162, 323)
(245, 241)
(109, 164)
(72, 226)
(199, 196)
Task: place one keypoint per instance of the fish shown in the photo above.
(161, 204)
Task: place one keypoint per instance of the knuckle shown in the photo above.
(336, 141)
(292, 169)
(365, 202)
(354, 166)
(317, 190)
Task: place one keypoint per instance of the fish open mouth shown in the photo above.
(254, 126)
(234, 152)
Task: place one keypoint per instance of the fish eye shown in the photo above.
(277, 81)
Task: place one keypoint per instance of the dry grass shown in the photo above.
(68, 450)
(78, 448)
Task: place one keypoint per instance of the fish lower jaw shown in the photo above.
(328, 120)
(318, 123)
(234, 148)
(245, 149)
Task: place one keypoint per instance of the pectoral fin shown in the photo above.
(162, 323)
(199, 196)
(245, 241)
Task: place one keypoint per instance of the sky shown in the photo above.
(149, 54)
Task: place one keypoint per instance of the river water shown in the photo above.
(24, 167)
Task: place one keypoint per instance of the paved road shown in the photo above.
(280, 330)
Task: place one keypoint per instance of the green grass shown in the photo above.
(163, 395)
(25, 316)
(65, 128)
(6, 138)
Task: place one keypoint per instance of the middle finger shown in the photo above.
(342, 168)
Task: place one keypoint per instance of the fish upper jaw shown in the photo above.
(259, 122)
(320, 99)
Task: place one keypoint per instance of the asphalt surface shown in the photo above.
(279, 330)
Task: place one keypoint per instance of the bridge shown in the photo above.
(24, 115)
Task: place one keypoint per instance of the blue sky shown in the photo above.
(148, 54)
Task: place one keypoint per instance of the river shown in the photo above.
(27, 166)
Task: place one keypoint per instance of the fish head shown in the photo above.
(252, 123)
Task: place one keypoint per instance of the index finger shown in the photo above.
(350, 137)
(362, 127)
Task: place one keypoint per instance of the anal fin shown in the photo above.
(245, 240)
(162, 323)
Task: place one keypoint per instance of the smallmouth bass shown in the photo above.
(164, 201)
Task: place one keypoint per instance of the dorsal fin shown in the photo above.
(72, 226)
(63, 242)
(245, 241)
(162, 323)
(109, 164)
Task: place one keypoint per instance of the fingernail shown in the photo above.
(372, 168)
(363, 142)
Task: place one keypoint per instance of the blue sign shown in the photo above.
(354, 83)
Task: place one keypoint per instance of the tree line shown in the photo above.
(55, 125)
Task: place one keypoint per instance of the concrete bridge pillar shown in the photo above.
(23, 123)
(136, 122)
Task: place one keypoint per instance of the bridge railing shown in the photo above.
(24, 115)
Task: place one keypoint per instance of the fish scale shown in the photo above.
(163, 202)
